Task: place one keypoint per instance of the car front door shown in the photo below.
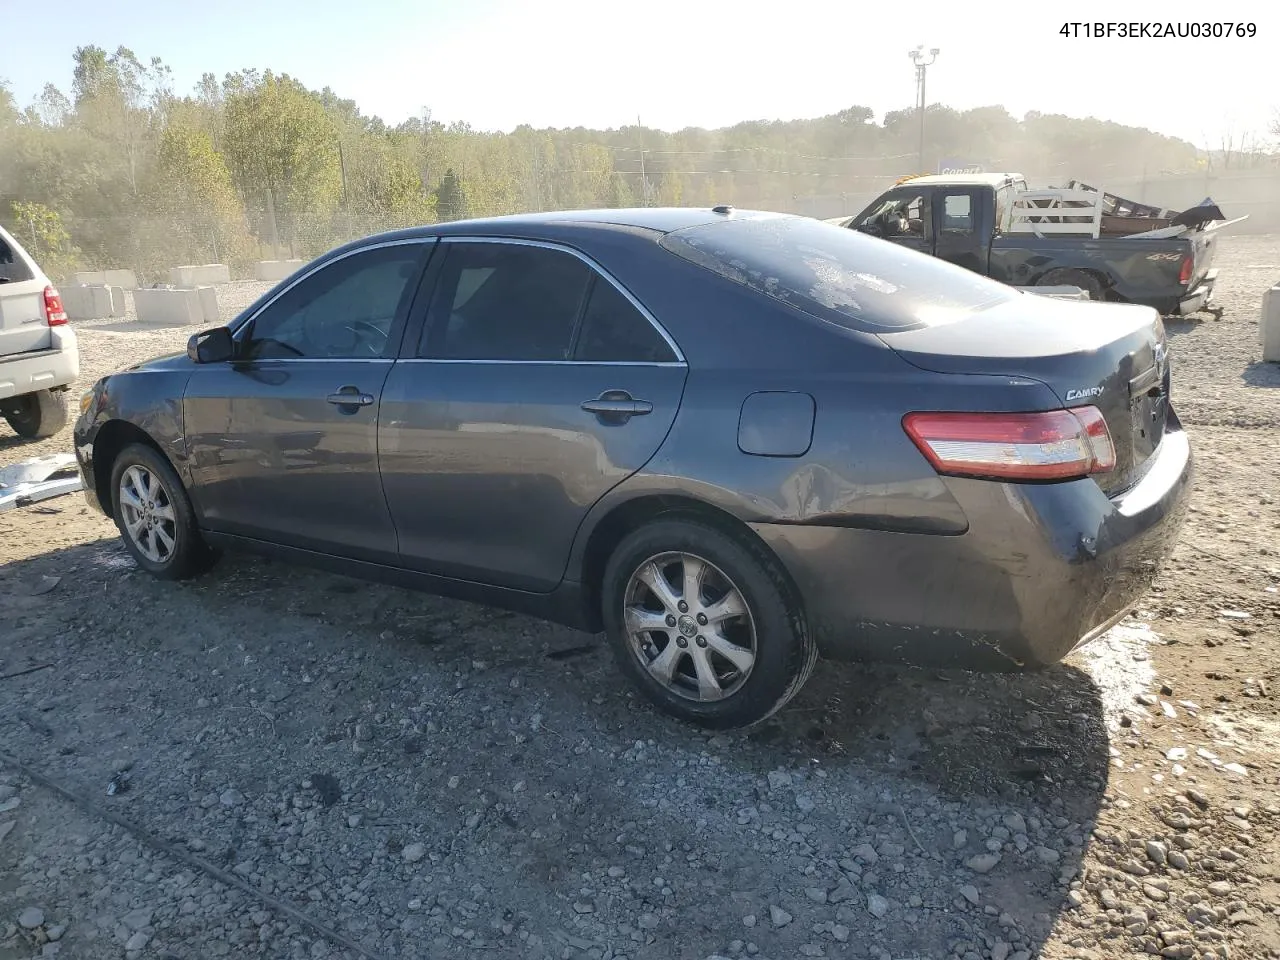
(537, 385)
(283, 439)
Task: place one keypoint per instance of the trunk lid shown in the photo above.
(1111, 356)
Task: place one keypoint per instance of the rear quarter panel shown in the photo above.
(860, 469)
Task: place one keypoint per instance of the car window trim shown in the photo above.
(246, 322)
(598, 271)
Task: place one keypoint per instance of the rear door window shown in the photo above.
(842, 276)
(505, 301)
(614, 331)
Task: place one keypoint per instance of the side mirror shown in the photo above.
(211, 346)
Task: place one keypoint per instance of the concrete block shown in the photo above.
(169, 306)
(115, 278)
(208, 297)
(92, 302)
(275, 270)
(1269, 326)
(125, 279)
(195, 276)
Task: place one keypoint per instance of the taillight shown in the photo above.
(53, 309)
(1052, 445)
(1184, 275)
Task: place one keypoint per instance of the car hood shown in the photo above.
(168, 361)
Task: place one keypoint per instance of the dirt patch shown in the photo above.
(422, 777)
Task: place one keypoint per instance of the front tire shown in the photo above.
(35, 416)
(154, 515)
(705, 624)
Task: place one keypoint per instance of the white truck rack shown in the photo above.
(1081, 210)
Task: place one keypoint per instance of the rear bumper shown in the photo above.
(58, 366)
(1042, 570)
(1200, 296)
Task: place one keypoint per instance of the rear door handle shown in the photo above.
(350, 397)
(617, 406)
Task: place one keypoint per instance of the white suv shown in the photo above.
(38, 355)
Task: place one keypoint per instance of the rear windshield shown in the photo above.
(12, 267)
(838, 274)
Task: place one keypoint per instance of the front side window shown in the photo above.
(343, 311)
(900, 214)
(505, 301)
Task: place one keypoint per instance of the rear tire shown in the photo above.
(721, 642)
(1065, 277)
(154, 515)
(35, 416)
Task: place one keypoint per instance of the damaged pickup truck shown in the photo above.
(1073, 236)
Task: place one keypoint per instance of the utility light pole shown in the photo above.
(917, 57)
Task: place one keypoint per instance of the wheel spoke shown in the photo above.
(165, 539)
(740, 657)
(694, 571)
(708, 686)
(164, 512)
(663, 666)
(133, 524)
(640, 620)
(651, 576)
(726, 608)
(129, 498)
(152, 551)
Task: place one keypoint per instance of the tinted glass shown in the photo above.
(839, 275)
(12, 268)
(614, 330)
(505, 301)
(343, 311)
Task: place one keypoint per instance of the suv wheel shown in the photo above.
(38, 415)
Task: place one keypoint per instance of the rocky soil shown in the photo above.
(273, 762)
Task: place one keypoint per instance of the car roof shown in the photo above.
(657, 220)
(967, 179)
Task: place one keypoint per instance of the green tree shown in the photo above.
(279, 139)
(201, 217)
(45, 238)
(618, 193)
(451, 198)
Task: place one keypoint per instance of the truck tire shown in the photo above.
(1066, 277)
(38, 415)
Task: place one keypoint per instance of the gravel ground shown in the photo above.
(308, 766)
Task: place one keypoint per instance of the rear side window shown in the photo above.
(836, 274)
(614, 331)
(13, 269)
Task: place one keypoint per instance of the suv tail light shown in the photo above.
(1184, 275)
(1053, 445)
(54, 312)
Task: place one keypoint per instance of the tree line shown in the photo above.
(123, 171)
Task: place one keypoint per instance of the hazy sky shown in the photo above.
(499, 63)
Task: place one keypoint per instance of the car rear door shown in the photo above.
(23, 326)
(536, 385)
(283, 440)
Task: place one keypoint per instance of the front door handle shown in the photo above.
(350, 397)
(617, 406)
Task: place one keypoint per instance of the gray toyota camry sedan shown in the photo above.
(732, 440)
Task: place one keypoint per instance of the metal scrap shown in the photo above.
(39, 478)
